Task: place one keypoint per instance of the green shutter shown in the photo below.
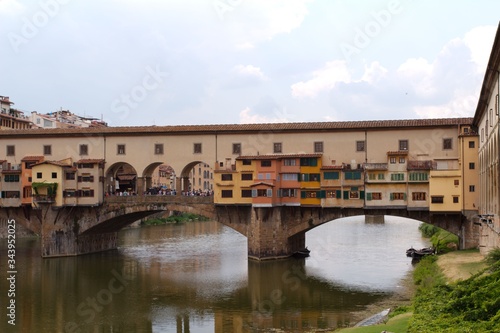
(322, 194)
(269, 193)
(303, 194)
(391, 196)
(338, 194)
(361, 194)
(368, 196)
(346, 195)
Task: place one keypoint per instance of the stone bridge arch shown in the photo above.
(118, 170)
(278, 232)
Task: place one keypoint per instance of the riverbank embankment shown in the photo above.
(455, 266)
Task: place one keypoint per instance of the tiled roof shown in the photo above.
(90, 161)
(276, 156)
(57, 163)
(239, 128)
(31, 158)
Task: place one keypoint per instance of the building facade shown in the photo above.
(486, 122)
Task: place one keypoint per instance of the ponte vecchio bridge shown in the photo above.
(272, 182)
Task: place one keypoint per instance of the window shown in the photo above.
(85, 166)
(120, 149)
(455, 199)
(374, 196)
(86, 178)
(456, 182)
(472, 144)
(197, 150)
(277, 147)
(352, 175)
(54, 175)
(236, 148)
(246, 193)
(318, 146)
(472, 165)
(403, 144)
(290, 176)
(262, 193)
(11, 178)
(313, 161)
(265, 163)
(11, 150)
(418, 176)
(70, 176)
(47, 150)
(392, 160)
(331, 194)
(288, 193)
(39, 175)
(246, 162)
(401, 160)
(472, 188)
(69, 193)
(398, 196)
(158, 148)
(360, 145)
(84, 149)
(381, 176)
(289, 162)
(247, 176)
(437, 199)
(227, 176)
(311, 177)
(331, 175)
(418, 196)
(447, 144)
(397, 176)
(86, 193)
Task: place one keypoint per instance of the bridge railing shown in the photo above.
(160, 199)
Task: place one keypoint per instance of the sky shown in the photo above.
(184, 62)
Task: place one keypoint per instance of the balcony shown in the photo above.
(376, 166)
(421, 165)
(44, 198)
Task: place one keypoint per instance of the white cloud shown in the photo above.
(248, 117)
(261, 20)
(418, 73)
(374, 72)
(480, 41)
(249, 71)
(323, 79)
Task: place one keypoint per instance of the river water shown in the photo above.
(195, 277)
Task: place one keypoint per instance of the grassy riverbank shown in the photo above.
(442, 296)
(176, 218)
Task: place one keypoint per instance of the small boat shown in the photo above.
(417, 254)
(302, 253)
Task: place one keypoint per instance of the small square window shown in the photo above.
(237, 148)
(403, 144)
(392, 160)
(455, 199)
(447, 144)
(47, 150)
(120, 149)
(84, 149)
(402, 160)
(54, 175)
(456, 182)
(472, 144)
(472, 188)
(360, 145)
(197, 148)
(318, 147)
(277, 147)
(39, 175)
(11, 150)
(472, 165)
(158, 148)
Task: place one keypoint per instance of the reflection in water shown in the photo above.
(196, 277)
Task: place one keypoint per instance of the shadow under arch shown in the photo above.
(204, 175)
(120, 177)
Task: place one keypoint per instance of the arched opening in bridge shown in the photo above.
(344, 251)
(196, 178)
(159, 178)
(121, 179)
